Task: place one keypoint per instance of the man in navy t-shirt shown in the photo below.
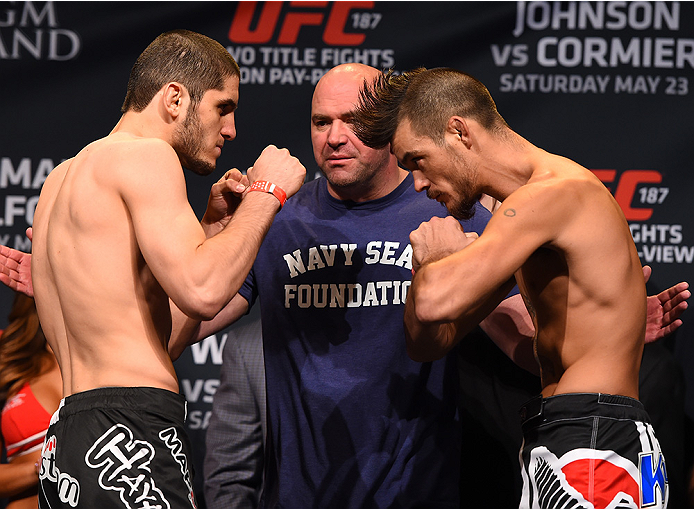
(354, 422)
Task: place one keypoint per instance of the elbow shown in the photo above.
(203, 304)
(423, 343)
(199, 313)
(430, 304)
(427, 313)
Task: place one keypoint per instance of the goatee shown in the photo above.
(187, 143)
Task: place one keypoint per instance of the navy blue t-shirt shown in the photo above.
(354, 421)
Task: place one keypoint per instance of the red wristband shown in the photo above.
(268, 187)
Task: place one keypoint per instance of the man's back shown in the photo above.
(113, 322)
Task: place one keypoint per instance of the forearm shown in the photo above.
(221, 263)
(432, 332)
(186, 331)
(510, 327)
(425, 341)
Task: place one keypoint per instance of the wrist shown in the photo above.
(268, 187)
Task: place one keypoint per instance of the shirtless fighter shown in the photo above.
(561, 234)
(115, 241)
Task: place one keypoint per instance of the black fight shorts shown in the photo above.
(116, 448)
(590, 450)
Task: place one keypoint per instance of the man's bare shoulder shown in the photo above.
(133, 150)
(55, 178)
(551, 200)
(58, 173)
(122, 161)
(559, 182)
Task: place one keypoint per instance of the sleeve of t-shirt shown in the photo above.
(249, 290)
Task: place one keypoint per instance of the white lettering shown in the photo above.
(667, 254)
(37, 18)
(314, 260)
(656, 233)
(294, 263)
(340, 295)
(372, 251)
(329, 253)
(370, 298)
(554, 83)
(348, 250)
(647, 52)
(210, 347)
(389, 252)
(204, 388)
(596, 16)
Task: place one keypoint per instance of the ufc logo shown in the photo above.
(292, 22)
(626, 191)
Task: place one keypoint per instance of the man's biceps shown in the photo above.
(499, 252)
(163, 244)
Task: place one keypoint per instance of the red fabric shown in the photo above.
(24, 423)
(599, 481)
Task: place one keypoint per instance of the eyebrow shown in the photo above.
(228, 103)
(345, 117)
(407, 156)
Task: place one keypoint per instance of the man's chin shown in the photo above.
(339, 177)
(200, 167)
(462, 211)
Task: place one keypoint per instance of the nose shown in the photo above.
(229, 127)
(336, 134)
(420, 183)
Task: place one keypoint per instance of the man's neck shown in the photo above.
(141, 124)
(509, 167)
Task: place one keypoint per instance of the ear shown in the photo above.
(459, 129)
(174, 98)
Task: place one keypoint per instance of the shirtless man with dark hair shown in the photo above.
(562, 237)
(119, 263)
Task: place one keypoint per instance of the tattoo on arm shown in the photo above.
(510, 212)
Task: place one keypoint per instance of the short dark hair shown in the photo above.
(425, 97)
(189, 58)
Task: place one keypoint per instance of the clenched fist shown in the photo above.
(436, 239)
(278, 166)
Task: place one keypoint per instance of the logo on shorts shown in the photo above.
(124, 464)
(173, 443)
(653, 479)
(68, 488)
(584, 478)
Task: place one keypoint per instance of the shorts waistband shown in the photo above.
(163, 402)
(540, 410)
